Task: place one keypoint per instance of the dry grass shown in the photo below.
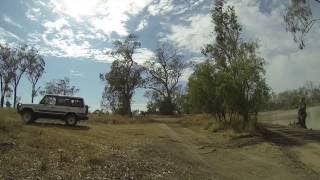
(209, 122)
(115, 147)
(117, 119)
(95, 150)
(8, 121)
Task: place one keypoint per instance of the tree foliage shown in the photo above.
(5, 71)
(163, 73)
(124, 77)
(232, 80)
(299, 19)
(15, 62)
(35, 70)
(18, 66)
(61, 87)
(202, 88)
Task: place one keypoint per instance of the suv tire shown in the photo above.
(71, 120)
(28, 116)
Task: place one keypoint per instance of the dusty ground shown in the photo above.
(158, 150)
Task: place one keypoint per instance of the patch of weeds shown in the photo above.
(44, 164)
(94, 161)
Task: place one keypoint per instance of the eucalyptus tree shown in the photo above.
(163, 73)
(5, 71)
(35, 70)
(238, 68)
(124, 77)
(18, 66)
(300, 19)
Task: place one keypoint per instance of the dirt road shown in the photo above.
(247, 157)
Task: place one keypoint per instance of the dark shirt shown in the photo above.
(302, 108)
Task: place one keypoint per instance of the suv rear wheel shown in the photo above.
(27, 116)
(71, 120)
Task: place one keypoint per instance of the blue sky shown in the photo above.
(73, 36)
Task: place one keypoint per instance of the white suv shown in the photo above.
(67, 108)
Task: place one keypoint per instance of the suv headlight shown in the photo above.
(18, 106)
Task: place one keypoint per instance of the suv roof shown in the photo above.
(64, 96)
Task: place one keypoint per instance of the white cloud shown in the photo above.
(33, 14)
(57, 25)
(161, 7)
(197, 59)
(186, 74)
(194, 36)
(110, 24)
(101, 16)
(100, 55)
(67, 47)
(8, 20)
(287, 66)
(142, 55)
(4, 34)
(293, 70)
(143, 23)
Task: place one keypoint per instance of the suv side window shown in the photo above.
(61, 101)
(69, 102)
(50, 100)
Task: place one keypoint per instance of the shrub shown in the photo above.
(117, 119)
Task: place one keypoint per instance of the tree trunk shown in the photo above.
(127, 107)
(15, 96)
(2, 99)
(32, 93)
(32, 96)
(245, 116)
(2, 92)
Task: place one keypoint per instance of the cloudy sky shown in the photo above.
(73, 35)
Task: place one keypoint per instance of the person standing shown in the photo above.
(302, 113)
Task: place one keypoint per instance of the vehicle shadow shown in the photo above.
(44, 124)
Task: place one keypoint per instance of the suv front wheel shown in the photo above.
(71, 120)
(27, 116)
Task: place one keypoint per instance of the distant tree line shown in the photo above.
(60, 86)
(289, 99)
